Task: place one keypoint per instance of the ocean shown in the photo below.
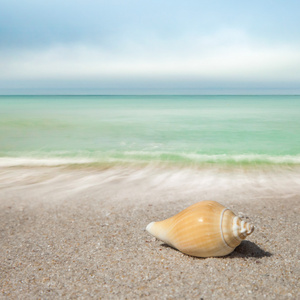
(184, 131)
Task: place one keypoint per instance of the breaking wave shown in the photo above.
(146, 158)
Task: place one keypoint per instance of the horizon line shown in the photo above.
(30, 95)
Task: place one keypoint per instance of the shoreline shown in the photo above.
(149, 158)
(80, 233)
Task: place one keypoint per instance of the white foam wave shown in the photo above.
(222, 158)
(155, 157)
(35, 162)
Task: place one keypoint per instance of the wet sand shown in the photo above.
(80, 233)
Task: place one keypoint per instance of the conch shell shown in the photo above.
(204, 229)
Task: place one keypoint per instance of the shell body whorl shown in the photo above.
(204, 229)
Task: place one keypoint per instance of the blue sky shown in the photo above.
(166, 45)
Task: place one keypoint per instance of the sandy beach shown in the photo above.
(80, 233)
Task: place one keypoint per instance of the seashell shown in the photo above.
(204, 229)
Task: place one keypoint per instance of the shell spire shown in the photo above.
(204, 229)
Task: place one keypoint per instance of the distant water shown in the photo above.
(142, 130)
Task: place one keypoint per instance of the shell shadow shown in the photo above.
(245, 250)
(249, 249)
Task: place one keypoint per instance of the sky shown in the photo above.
(190, 46)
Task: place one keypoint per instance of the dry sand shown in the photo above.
(81, 234)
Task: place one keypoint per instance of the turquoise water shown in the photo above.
(187, 130)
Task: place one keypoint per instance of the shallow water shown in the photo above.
(173, 130)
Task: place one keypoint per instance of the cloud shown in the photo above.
(226, 55)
